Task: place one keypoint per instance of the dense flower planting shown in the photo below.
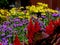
(32, 25)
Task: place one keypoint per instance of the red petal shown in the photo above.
(16, 41)
(49, 29)
(37, 26)
(57, 22)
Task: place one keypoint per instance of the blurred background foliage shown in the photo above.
(3, 3)
(6, 3)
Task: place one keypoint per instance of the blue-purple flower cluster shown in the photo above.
(9, 28)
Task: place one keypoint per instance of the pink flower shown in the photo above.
(0, 43)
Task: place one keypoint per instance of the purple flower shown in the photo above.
(21, 24)
(25, 28)
(6, 23)
(0, 28)
(9, 28)
(59, 15)
(9, 36)
(43, 16)
(16, 20)
(5, 42)
(10, 44)
(4, 26)
(3, 39)
(14, 25)
(3, 34)
(41, 23)
(25, 21)
(54, 15)
(4, 29)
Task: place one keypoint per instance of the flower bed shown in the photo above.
(29, 25)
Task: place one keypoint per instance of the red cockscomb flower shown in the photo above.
(57, 22)
(0, 44)
(50, 28)
(30, 28)
(37, 26)
(16, 41)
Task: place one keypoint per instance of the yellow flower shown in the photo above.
(46, 5)
(41, 7)
(28, 17)
(24, 16)
(13, 12)
(13, 9)
(39, 3)
(28, 13)
(21, 7)
(35, 17)
(9, 14)
(43, 13)
(40, 18)
(0, 15)
(52, 11)
(27, 7)
(45, 10)
(22, 12)
(49, 9)
(42, 10)
(32, 8)
(20, 17)
(56, 11)
(2, 11)
(35, 10)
